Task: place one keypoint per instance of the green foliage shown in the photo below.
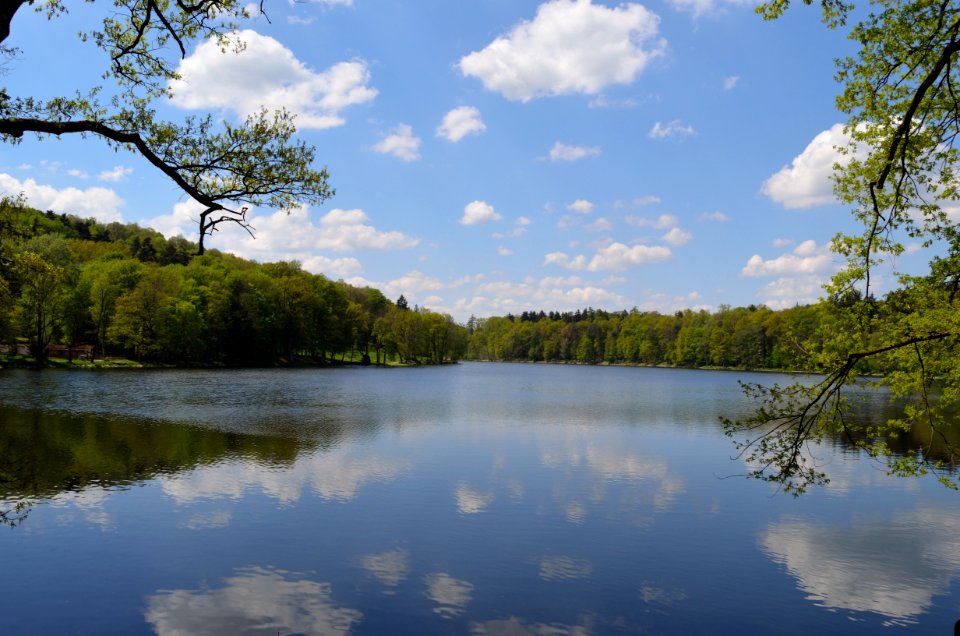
(899, 176)
(747, 338)
(168, 307)
(223, 166)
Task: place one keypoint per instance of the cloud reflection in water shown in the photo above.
(255, 600)
(890, 568)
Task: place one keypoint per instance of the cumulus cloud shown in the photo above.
(571, 46)
(562, 259)
(413, 285)
(267, 74)
(582, 206)
(677, 237)
(705, 7)
(718, 217)
(789, 291)
(662, 222)
(600, 225)
(561, 292)
(648, 199)
(807, 181)
(101, 204)
(519, 229)
(673, 128)
(401, 143)
(460, 122)
(294, 236)
(118, 173)
(806, 258)
(618, 257)
(799, 274)
(477, 212)
(563, 152)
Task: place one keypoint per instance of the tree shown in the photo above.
(899, 175)
(222, 166)
(45, 269)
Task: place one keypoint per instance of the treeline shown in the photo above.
(131, 292)
(753, 337)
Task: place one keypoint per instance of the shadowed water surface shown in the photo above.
(475, 499)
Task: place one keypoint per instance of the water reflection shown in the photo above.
(514, 626)
(390, 568)
(255, 600)
(451, 595)
(560, 568)
(893, 568)
(333, 476)
(471, 501)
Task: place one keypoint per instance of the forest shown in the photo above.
(753, 337)
(127, 292)
(131, 293)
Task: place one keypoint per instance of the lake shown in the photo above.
(471, 499)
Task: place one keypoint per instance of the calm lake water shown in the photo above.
(474, 499)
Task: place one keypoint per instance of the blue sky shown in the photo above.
(493, 156)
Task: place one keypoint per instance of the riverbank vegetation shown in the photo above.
(132, 293)
(753, 337)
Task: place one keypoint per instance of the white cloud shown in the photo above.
(673, 128)
(789, 291)
(411, 285)
(460, 122)
(183, 220)
(563, 152)
(807, 181)
(281, 236)
(79, 174)
(729, 83)
(560, 292)
(618, 257)
(648, 199)
(561, 259)
(783, 242)
(477, 212)
(504, 251)
(301, 20)
(582, 206)
(571, 46)
(519, 229)
(806, 258)
(704, 7)
(718, 217)
(118, 173)
(800, 274)
(677, 237)
(402, 144)
(600, 225)
(662, 222)
(267, 74)
(101, 204)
